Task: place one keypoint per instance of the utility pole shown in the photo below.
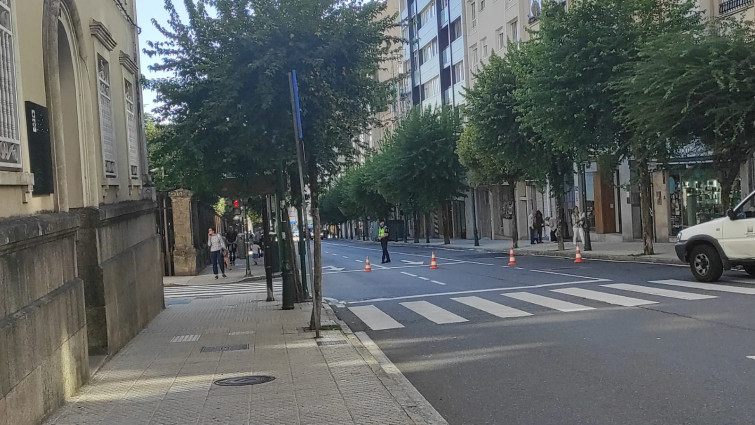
(583, 201)
(474, 219)
(244, 231)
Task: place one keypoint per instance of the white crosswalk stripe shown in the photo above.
(375, 318)
(433, 313)
(553, 303)
(707, 286)
(176, 292)
(659, 291)
(488, 306)
(604, 297)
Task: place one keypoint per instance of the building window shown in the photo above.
(458, 72)
(415, 59)
(473, 15)
(405, 33)
(132, 129)
(482, 5)
(427, 14)
(431, 88)
(456, 29)
(484, 48)
(430, 50)
(10, 137)
(107, 130)
(500, 36)
(473, 55)
(514, 31)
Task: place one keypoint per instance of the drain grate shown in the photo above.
(244, 380)
(218, 348)
(321, 343)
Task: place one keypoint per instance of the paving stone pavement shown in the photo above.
(156, 381)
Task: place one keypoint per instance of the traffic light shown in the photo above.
(235, 203)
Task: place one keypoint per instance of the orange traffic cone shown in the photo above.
(512, 259)
(367, 267)
(433, 264)
(578, 258)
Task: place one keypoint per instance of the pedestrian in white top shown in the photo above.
(578, 225)
(217, 245)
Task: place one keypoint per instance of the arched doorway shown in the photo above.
(70, 117)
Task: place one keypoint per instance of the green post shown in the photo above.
(303, 233)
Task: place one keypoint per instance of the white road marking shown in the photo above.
(185, 338)
(658, 291)
(375, 318)
(751, 357)
(409, 274)
(476, 291)
(413, 263)
(707, 286)
(439, 283)
(423, 278)
(359, 261)
(456, 261)
(344, 256)
(553, 303)
(495, 309)
(563, 274)
(604, 297)
(433, 313)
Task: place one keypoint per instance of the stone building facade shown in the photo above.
(80, 259)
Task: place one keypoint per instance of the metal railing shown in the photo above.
(728, 6)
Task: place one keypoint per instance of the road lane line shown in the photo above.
(475, 291)
(563, 274)
(375, 318)
(604, 297)
(359, 261)
(415, 255)
(439, 283)
(433, 313)
(552, 303)
(659, 292)
(751, 357)
(409, 274)
(344, 256)
(495, 309)
(423, 278)
(707, 286)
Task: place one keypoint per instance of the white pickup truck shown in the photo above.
(720, 244)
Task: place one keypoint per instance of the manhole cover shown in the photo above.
(321, 343)
(244, 380)
(225, 348)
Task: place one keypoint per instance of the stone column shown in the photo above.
(185, 251)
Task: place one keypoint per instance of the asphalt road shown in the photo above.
(546, 343)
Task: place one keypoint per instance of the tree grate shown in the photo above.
(244, 380)
(219, 348)
(322, 343)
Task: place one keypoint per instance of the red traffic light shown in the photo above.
(235, 203)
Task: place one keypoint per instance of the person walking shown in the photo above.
(255, 252)
(383, 236)
(231, 237)
(539, 224)
(217, 246)
(553, 223)
(531, 221)
(578, 223)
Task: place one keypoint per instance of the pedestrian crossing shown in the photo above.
(376, 319)
(219, 290)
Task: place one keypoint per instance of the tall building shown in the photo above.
(80, 260)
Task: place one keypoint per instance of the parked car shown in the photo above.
(720, 244)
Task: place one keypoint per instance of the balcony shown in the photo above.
(443, 18)
(732, 5)
(447, 99)
(446, 55)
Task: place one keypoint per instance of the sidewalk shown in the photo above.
(166, 374)
(235, 275)
(617, 251)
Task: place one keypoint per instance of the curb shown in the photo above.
(590, 255)
(416, 407)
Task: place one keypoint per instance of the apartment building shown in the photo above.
(80, 260)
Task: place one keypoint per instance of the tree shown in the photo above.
(493, 146)
(418, 167)
(702, 93)
(228, 93)
(330, 206)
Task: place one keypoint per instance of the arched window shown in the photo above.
(10, 139)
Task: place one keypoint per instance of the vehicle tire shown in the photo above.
(750, 270)
(705, 263)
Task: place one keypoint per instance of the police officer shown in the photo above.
(383, 236)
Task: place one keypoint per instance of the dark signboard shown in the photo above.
(40, 153)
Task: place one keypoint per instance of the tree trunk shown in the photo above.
(514, 218)
(445, 210)
(646, 204)
(561, 220)
(427, 227)
(292, 256)
(727, 174)
(267, 248)
(314, 189)
(416, 227)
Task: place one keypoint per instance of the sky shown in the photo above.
(146, 11)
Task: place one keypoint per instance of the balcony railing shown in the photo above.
(728, 6)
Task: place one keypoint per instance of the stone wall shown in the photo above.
(43, 338)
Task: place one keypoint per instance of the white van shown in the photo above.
(720, 244)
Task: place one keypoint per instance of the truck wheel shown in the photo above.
(750, 270)
(705, 263)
